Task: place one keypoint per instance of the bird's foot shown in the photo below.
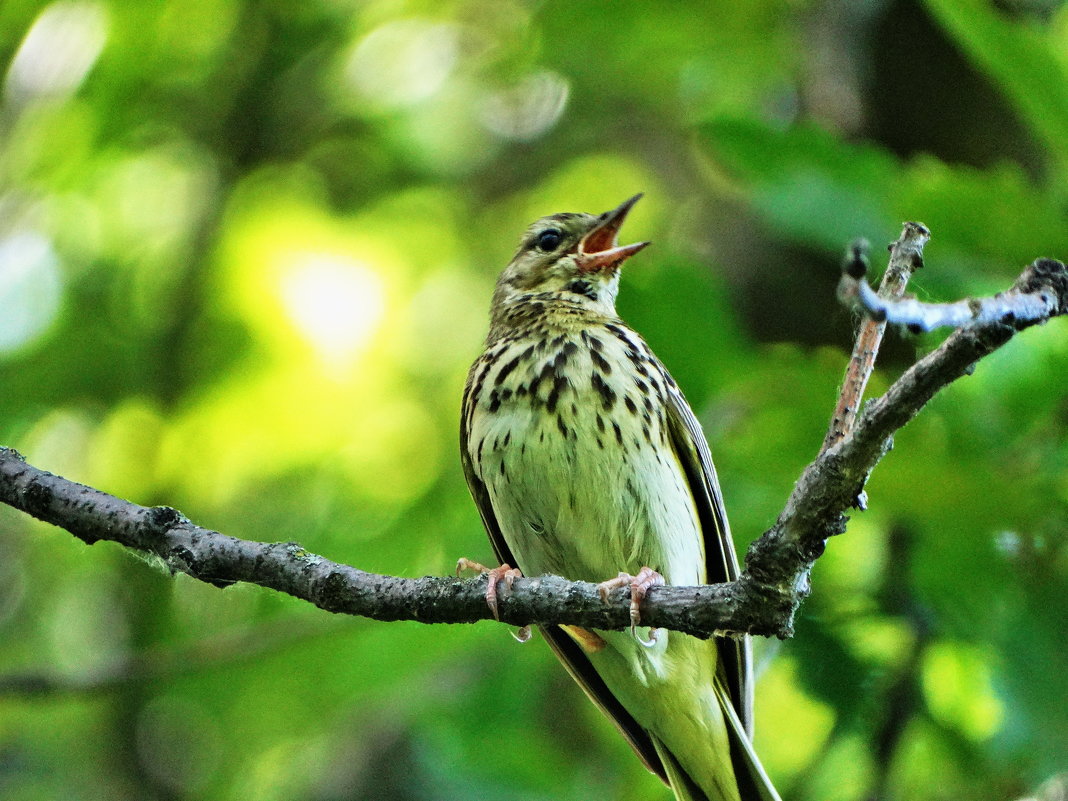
(639, 587)
(495, 575)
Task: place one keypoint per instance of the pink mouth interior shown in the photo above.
(600, 240)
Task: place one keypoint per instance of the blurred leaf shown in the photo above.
(1027, 60)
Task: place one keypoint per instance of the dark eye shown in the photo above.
(549, 240)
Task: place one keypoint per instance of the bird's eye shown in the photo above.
(549, 240)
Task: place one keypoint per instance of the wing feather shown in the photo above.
(721, 561)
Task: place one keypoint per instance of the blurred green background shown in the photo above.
(246, 253)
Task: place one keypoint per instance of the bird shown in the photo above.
(585, 461)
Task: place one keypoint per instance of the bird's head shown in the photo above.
(575, 256)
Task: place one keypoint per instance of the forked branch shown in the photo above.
(906, 256)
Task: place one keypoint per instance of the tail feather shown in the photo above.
(753, 781)
(750, 781)
(679, 780)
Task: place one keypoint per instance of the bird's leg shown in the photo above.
(495, 575)
(639, 587)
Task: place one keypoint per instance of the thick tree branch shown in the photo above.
(763, 601)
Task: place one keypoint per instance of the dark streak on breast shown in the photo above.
(600, 362)
(608, 395)
(563, 428)
(619, 334)
(560, 383)
(562, 356)
(505, 370)
(546, 372)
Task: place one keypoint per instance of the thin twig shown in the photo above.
(1007, 307)
(906, 256)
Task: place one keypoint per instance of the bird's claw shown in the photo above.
(495, 575)
(639, 587)
(654, 637)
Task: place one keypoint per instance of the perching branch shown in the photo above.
(762, 601)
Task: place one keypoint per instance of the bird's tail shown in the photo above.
(750, 782)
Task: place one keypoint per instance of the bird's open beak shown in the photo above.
(598, 250)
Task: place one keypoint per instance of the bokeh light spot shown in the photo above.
(528, 109)
(55, 56)
(30, 288)
(957, 682)
(402, 63)
(334, 302)
(808, 719)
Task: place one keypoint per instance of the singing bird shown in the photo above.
(586, 461)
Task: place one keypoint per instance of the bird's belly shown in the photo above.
(571, 507)
(585, 493)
